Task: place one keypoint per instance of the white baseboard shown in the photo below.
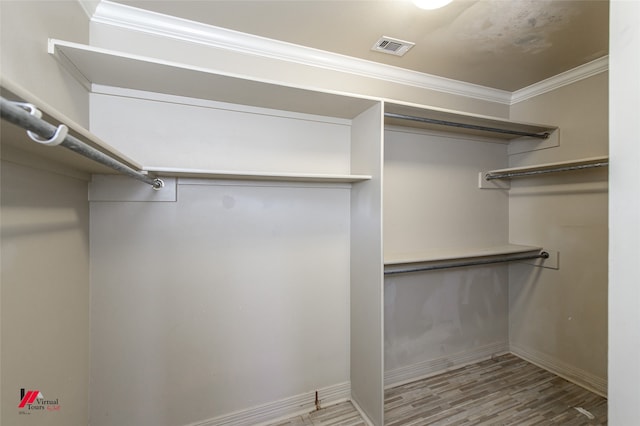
(304, 403)
(424, 369)
(575, 375)
(282, 409)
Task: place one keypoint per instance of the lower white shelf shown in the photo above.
(260, 176)
(397, 264)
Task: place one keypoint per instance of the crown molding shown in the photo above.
(89, 7)
(157, 24)
(148, 22)
(573, 75)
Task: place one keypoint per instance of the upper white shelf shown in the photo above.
(256, 176)
(465, 123)
(93, 65)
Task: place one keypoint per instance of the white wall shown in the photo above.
(624, 210)
(44, 286)
(233, 297)
(558, 318)
(25, 28)
(432, 200)
(236, 295)
(173, 132)
(44, 295)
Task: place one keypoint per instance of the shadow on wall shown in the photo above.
(444, 313)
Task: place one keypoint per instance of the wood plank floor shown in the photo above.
(343, 414)
(503, 391)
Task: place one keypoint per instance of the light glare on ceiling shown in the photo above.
(431, 4)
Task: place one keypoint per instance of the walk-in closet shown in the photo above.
(196, 232)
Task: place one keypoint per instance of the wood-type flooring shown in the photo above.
(343, 414)
(505, 390)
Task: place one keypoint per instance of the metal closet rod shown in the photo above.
(542, 255)
(507, 175)
(465, 126)
(48, 134)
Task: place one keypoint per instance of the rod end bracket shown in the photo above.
(158, 184)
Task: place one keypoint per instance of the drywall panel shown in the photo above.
(624, 210)
(235, 296)
(432, 201)
(44, 232)
(579, 110)
(216, 136)
(25, 27)
(438, 319)
(367, 267)
(558, 318)
(44, 293)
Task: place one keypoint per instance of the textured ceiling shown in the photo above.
(502, 44)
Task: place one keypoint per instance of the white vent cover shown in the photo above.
(392, 46)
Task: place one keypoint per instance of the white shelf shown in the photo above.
(444, 256)
(97, 66)
(17, 146)
(462, 118)
(93, 65)
(552, 166)
(258, 176)
(503, 182)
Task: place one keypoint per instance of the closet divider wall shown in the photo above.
(284, 274)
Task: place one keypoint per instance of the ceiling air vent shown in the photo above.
(392, 46)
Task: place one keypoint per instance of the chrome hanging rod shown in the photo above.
(28, 117)
(541, 255)
(508, 175)
(465, 126)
